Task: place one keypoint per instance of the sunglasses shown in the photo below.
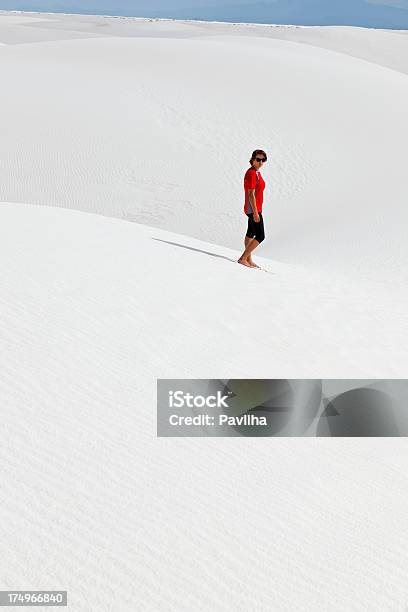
(260, 159)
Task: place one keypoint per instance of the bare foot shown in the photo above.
(245, 262)
(252, 264)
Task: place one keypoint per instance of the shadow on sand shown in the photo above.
(183, 246)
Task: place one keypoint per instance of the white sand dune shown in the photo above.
(150, 129)
(152, 122)
(383, 47)
(94, 503)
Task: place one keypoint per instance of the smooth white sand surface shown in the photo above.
(150, 125)
(94, 503)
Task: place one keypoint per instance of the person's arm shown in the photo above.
(252, 199)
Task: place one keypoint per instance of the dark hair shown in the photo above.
(255, 153)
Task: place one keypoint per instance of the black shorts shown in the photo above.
(255, 230)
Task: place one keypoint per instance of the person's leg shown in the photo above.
(248, 239)
(259, 236)
(252, 243)
(246, 255)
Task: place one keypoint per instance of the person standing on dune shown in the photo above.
(254, 186)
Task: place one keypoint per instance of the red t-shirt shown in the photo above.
(251, 182)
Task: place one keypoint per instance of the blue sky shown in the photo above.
(370, 13)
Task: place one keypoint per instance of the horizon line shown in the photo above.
(273, 25)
